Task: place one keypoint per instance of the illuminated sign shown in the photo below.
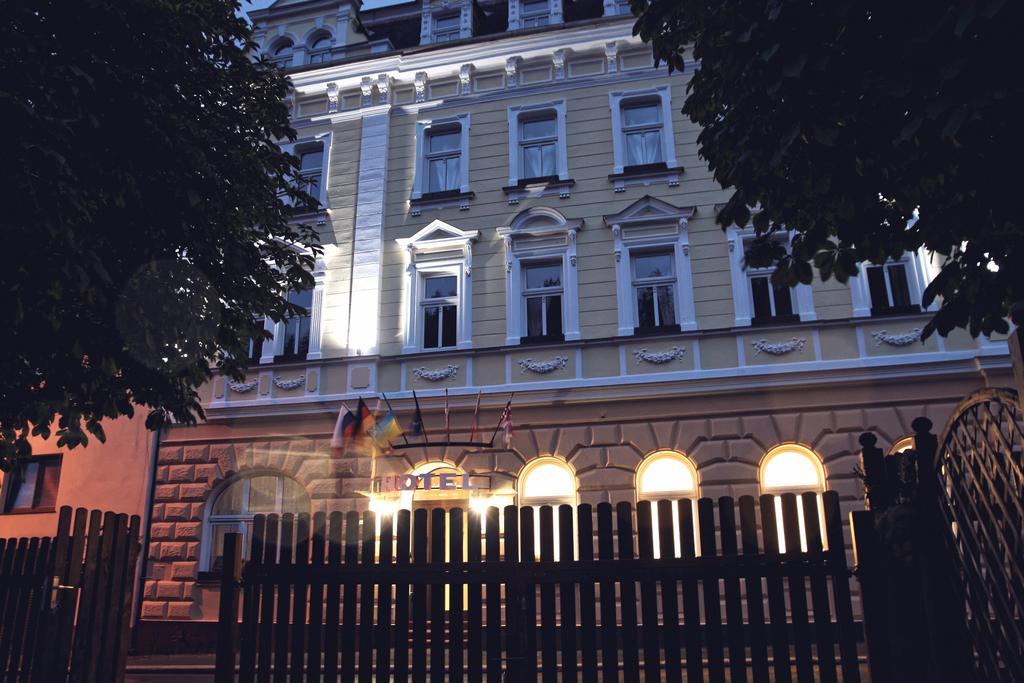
(435, 481)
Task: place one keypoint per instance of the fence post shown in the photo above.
(872, 461)
(227, 626)
(868, 566)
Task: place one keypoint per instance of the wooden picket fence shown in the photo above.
(65, 602)
(467, 597)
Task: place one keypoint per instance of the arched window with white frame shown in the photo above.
(547, 481)
(281, 53)
(668, 475)
(793, 468)
(320, 46)
(235, 506)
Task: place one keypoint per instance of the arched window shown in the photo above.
(904, 444)
(320, 48)
(668, 475)
(281, 54)
(233, 510)
(547, 481)
(792, 468)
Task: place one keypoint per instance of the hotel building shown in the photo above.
(512, 202)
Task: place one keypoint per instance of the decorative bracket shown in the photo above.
(332, 98)
(558, 62)
(779, 348)
(420, 83)
(611, 54)
(383, 88)
(466, 78)
(883, 337)
(543, 367)
(437, 375)
(659, 358)
(512, 71)
(366, 87)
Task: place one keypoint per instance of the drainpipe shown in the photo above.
(147, 517)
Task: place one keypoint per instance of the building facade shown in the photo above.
(512, 203)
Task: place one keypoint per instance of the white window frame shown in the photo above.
(540, 234)
(542, 292)
(274, 347)
(305, 144)
(450, 35)
(742, 296)
(651, 224)
(430, 255)
(516, 115)
(618, 100)
(518, 19)
(918, 277)
(423, 128)
(314, 36)
(241, 521)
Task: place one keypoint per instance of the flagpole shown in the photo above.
(476, 416)
(426, 440)
(393, 412)
(498, 426)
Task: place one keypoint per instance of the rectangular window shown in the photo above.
(443, 155)
(311, 171)
(890, 290)
(654, 284)
(542, 291)
(642, 129)
(772, 302)
(256, 346)
(534, 13)
(34, 487)
(440, 305)
(538, 143)
(446, 28)
(296, 328)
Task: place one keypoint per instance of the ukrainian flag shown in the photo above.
(386, 430)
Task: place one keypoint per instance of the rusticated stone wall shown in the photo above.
(604, 453)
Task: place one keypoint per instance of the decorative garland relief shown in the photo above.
(289, 384)
(436, 375)
(779, 348)
(883, 337)
(543, 367)
(242, 387)
(658, 358)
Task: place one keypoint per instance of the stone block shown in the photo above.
(324, 488)
(170, 456)
(623, 456)
(184, 570)
(746, 451)
(192, 551)
(196, 510)
(761, 429)
(301, 447)
(180, 473)
(175, 512)
(197, 454)
(355, 485)
(589, 457)
(208, 474)
(815, 425)
(169, 590)
(475, 462)
(158, 511)
(507, 461)
(152, 609)
(605, 435)
(726, 428)
(179, 610)
(193, 491)
(165, 492)
(260, 455)
(606, 478)
(707, 452)
(154, 550)
(149, 591)
(224, 456)
(188, 531)
(161, 474)
(161, 531)
(317, 468)
(570, 439)
(727, 473)
(173, 551)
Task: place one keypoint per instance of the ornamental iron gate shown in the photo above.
(553, 594)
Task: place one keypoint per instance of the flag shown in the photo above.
(417, 428)
(386, 429)
(476, 417)
(344, 430)
(365, 422)
(505, 423)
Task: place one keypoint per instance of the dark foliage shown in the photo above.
(144, 231)
(839, 119)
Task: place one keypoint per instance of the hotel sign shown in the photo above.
(433, 481)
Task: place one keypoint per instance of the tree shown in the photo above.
(842, 121)
(146, 223)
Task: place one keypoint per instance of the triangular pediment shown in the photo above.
(650, 209)
(437, 233)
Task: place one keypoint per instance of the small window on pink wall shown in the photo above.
(33, 486)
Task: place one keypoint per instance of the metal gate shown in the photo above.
(980, 497)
